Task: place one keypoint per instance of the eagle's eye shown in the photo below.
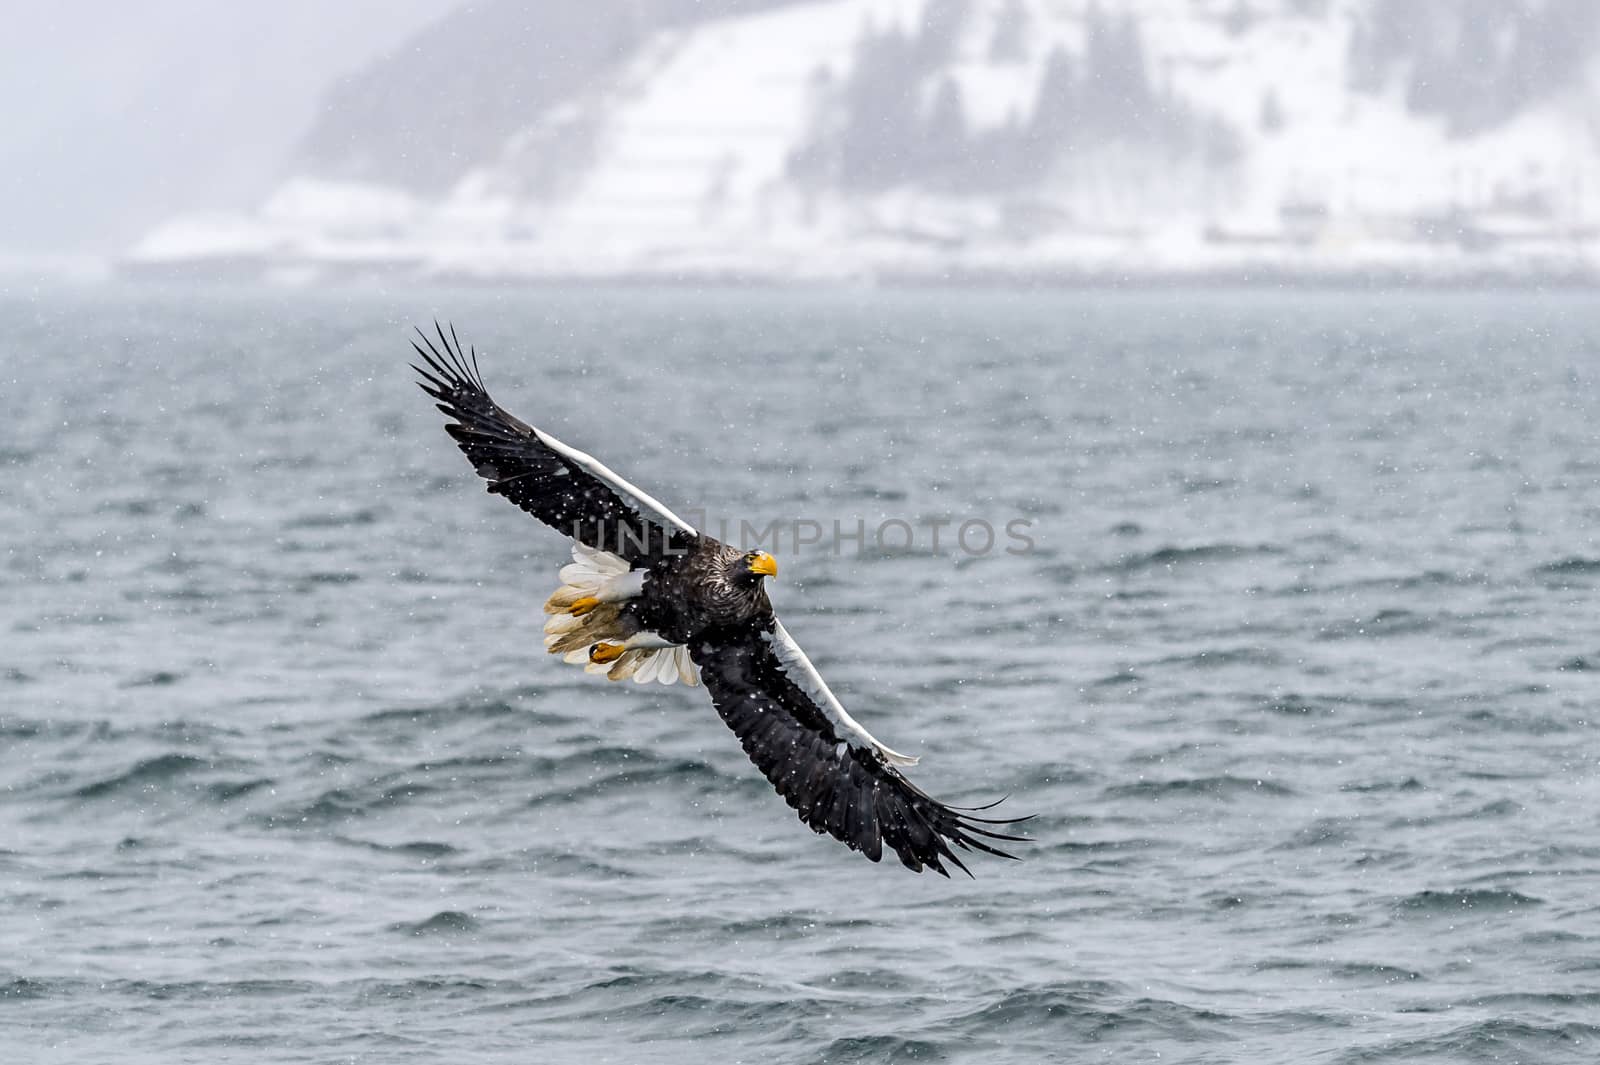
(762, 564)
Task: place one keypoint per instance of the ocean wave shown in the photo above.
(1109, 846)
(428, 850)
(454, 711)
(1323, 832)
(694, 1002)
(698, 1015)
(1094, 1010)
(224, 791)
(1488, 1041)
(158, 679)
(1378, 786)
(1216, 658)
(337, 520)
(169, 773)
(1572, 566)
(1217, 787)
(1394, 621)
(1226, 900)
(784, 924)
(1201, 485)
(325, 577)
(522, 779)
(1295, 705)
(1538, 1000)
(155, 990)
(144, 774)
(443, 923)
(1374, 972)
(1500, 719)
(1496, 900)
(873, 980)
(140, 507)
(885, 1048)
(101, 730)
(648, 771)
(349, 803)
(1198, 555)
(428, 987)
(22, 987)
(1422, 580)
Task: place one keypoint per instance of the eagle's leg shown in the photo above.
(643, 656)
(609, 650)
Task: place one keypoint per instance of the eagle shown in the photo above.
(649, 597)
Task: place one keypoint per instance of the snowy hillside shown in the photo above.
(829, 138)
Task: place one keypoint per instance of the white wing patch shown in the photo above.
(601, 470)
(803, 673)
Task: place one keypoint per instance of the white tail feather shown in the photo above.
(686, 668)
(648, 671)
(601, 575)
(651, 661)
(627, 665)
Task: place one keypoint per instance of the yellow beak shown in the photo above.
(764, 564)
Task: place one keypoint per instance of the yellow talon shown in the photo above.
(582, 606)
(606, 652)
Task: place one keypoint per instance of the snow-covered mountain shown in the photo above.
(829, 138)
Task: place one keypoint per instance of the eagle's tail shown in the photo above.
(585, 610)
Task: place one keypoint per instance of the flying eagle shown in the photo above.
(648, 596)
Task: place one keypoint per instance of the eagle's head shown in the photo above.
(753, 566)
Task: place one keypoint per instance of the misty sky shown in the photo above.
(115, 115)
(1146, 116)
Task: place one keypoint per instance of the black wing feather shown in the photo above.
(508, 453)
(853, 796)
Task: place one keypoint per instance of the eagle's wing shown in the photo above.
(561, 486)
(826, 766)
